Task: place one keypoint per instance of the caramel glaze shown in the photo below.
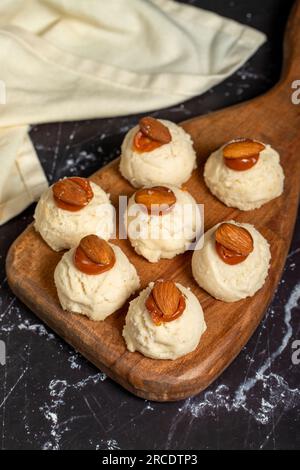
(241, 164)
(229, 256)
(142, 143)
(87, 266)
(158, 316)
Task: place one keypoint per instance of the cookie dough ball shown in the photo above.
(61, 227)
(157, 235)
(95, 293)
(166, 339)
(232, 282)
(245, 189)
(160, 163)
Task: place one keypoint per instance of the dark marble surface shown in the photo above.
(52, 398)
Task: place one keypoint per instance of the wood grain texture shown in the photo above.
(271, 118)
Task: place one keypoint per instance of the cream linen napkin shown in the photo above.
(67, 60)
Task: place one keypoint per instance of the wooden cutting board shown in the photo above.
(271, 118)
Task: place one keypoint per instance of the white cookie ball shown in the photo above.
(98, 295)
(248, 189)
(62, 229)
(169, 340)
(163, 236)
(231, 282)
(171, 163)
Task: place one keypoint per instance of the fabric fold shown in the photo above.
(22, 179)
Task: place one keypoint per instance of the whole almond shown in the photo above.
(73, 191)
(166, 296)
(157, 195)
(234, 238)
(155, 130)
(97, 250)
(243, 148)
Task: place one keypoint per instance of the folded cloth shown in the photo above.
(65, 60)
(22, 179)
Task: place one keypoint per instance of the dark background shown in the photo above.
(52, 398)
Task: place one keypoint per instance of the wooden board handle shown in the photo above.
(291, 61)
